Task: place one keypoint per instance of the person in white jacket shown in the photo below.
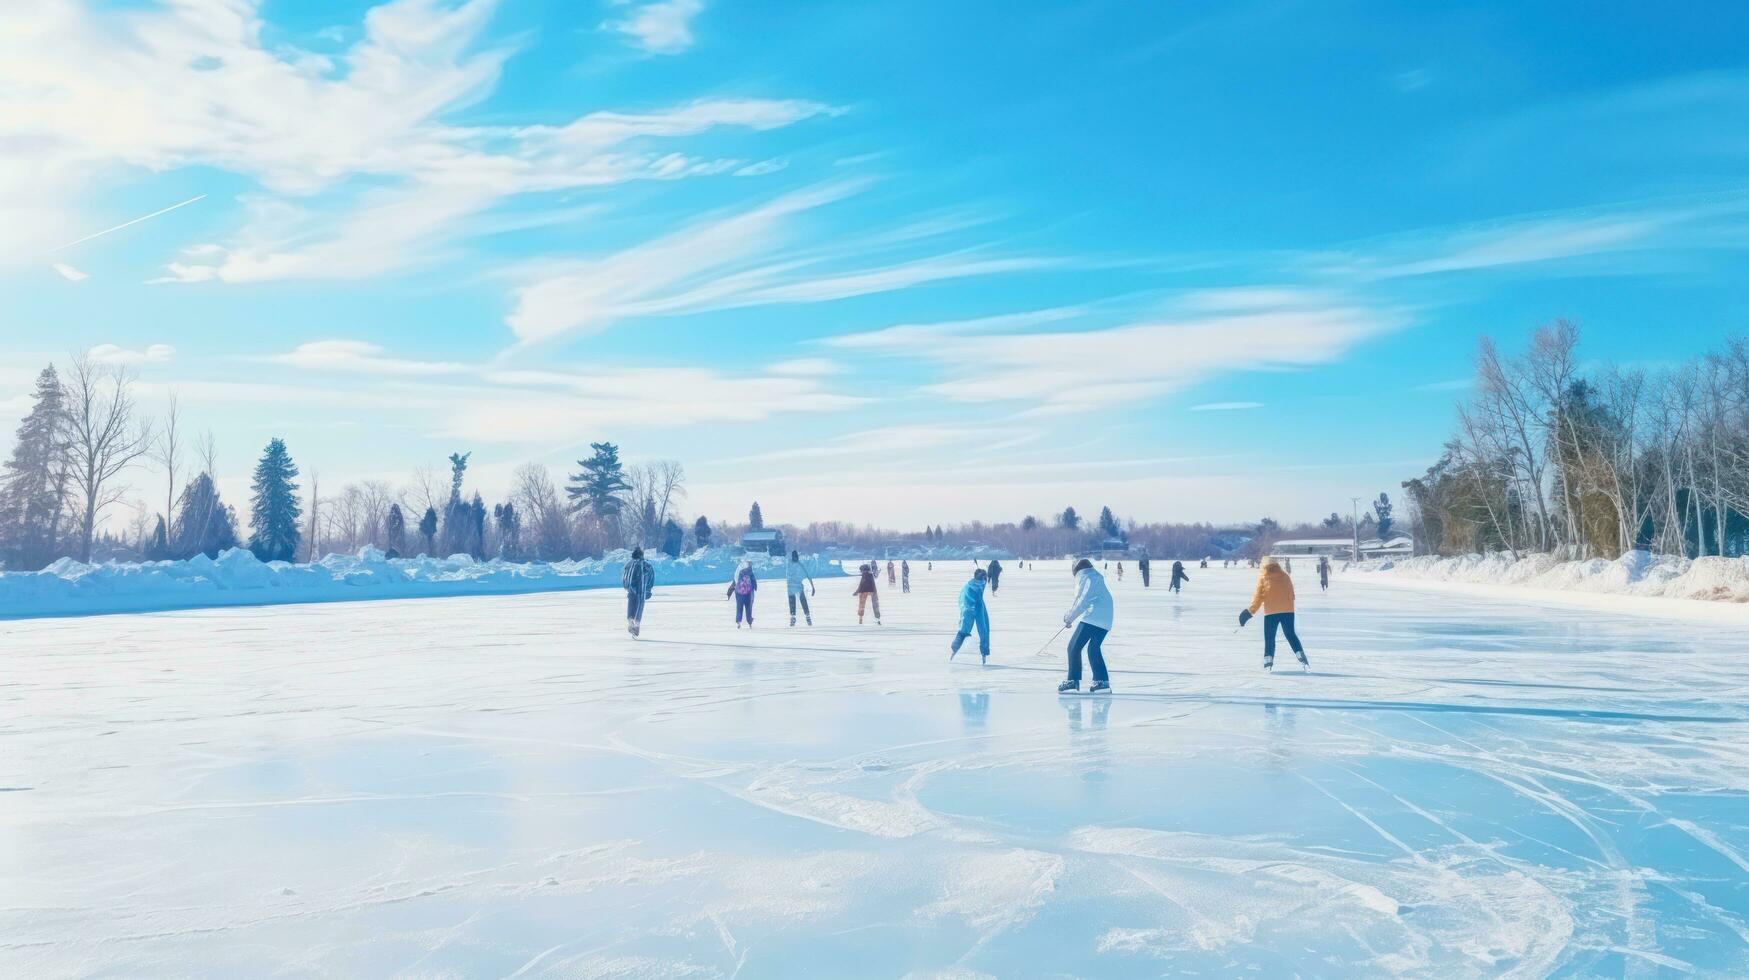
(1093, 609)
(793, 573)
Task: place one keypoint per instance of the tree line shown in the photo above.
(1551, 454)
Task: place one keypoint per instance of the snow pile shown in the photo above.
(1638, 573)
(237, 578)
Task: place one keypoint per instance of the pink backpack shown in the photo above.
(744, 583)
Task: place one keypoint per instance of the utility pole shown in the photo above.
(1356, 526)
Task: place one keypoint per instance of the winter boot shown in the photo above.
(1068, 687)
(1100, 687)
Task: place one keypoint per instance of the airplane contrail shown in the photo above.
(124, 224)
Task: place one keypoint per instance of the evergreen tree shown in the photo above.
(34, 482)
(509, 531)
(428, 528)
(204, 525)
(395, 529)
(701, 532)
(600, 484)
(477, 528)
(755, 518)
(1070, 519)
(274, 510)
(1029, 523)
(672, 538)
(1382, 507)
(1334, 522)
(1108, 526)
(159, 547)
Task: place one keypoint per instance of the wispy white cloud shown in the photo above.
(358, 357)
(69, 273)
(727, 261)
(113, 354)
(1070, 371)
(659, 27)
(1226, 406)
(190, 84)
(807, 367)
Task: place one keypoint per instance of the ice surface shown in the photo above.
(510, 786)
(237, 578)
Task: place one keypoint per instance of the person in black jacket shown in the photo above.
(1178, 575)
(638, 579)
(995, 572)
(1143, 566)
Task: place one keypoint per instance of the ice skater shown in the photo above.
(741, 589)
(866, 593)
(1275, 596)
(793, 573)
(995, 575)
(904, 575)
(1120, 571)
(891, 579)
(1178, 577)
(1324, 573)
(973, 612)
(1143, 567)
(638, 579)
(1093, 609)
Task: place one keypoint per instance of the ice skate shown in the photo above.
(1269, 666)
(1100, 687)
(1305, 665)
(1068, 687)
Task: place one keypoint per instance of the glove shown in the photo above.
(1244, 617)
(1067, 622)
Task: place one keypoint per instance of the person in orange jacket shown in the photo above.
(1275, 596)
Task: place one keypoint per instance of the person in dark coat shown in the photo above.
(1178, 576)
(995, 575)
(638, 579)
(741, 589)
(1143, 566)
(867, 593)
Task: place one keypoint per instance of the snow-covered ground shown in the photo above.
(236, 578)
(509, 786)
(1637, 573)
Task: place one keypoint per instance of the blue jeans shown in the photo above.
(793, 596)
(1089, 636)
(1285, 622)
(744, 604)
(979, 618)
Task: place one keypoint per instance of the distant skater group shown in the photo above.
(1089, 618)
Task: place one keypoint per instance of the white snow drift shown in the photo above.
(237, 578)
(1637, 573)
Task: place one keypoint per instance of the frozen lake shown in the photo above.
(513, 787)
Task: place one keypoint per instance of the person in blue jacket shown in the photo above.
(973, 612)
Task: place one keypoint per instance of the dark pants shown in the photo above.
(635, 605)
(995, 580)
(793, 596)
(1286, 622)
(1144, 576)
(1089, 636)
(744, 604)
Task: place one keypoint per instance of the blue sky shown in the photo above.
(887, 262)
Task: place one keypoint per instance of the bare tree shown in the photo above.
(168, 453)
(105, 436)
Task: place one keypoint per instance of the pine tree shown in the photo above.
(1108, 524)
(428, 528)
(1382, 507)
(274, 510)
(477, 528)
(755, 518)
(1029, 523)
(395, 529)
(701, 532)
(159, 548)
(33, 485)
(204, 525)
(672, 538)
(599, 485)
(509, 531)
(1070, 519)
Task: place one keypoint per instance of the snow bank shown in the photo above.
(946, 552)
(237, 578)
(1636, 573)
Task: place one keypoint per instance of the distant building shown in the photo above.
(767, 541)
(1399, 546)
(1113, 548)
